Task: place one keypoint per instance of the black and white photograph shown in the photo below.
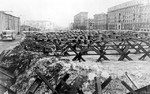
(74, 46)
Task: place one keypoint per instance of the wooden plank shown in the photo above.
(128, 87)
(62, 82)
(106, 82)
(78, 57)
(127, 52)
(102, 55)
(122, 52)
(65, 50)
(124, 56)
(98, 88)
(95, 50)
(2, 54)
(133, 46)
(143, 90)
(102, 51)
(80, 91)
(143, 56)
(76, 85)
(46, 82)
(131, 80)
(64, 88)
(146, 53)
(34, 86)
(7, 53)
(9, 90)
(96, 47)
(7, 73)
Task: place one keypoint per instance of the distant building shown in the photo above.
(39, 24)
(100, 21)
(144, 22)
(24, 28)
(131, 15)
(9, 22)
(89, 24)
(79, 20)
(28, 28)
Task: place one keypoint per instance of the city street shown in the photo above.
(74, 47)
(10, 44)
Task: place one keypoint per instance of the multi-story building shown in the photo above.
(100, 21)
(79, 20)
(145, 17)
(131, 15)
(89, 24)
(9, 22)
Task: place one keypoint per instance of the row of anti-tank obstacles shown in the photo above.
(74, 87)
(102, 47)
(80, 44)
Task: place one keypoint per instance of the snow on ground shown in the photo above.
(136, 69)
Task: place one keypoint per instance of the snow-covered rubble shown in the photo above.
(137, 70)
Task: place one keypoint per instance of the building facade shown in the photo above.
(89, 23)
(28, 28)
(100, 21)
(79, 20)
(131, 15)
(145, 18)
(9, 22)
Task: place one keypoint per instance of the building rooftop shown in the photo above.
(100, 14)
(9, 14)
(128, 4)
(81, 13)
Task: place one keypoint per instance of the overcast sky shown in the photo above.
(60, 12)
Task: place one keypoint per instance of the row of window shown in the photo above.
(129, 11)
(129, 8)
(121, 14)
(104, 18)
(131, 28)
(132, 16)
(124, 5)
(136, 25)
(130, 20)
(147, 8)
(146, 25)
(131, 4)
(144, 29)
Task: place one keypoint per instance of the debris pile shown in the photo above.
(30, 61)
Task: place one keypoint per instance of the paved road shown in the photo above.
(10, 44)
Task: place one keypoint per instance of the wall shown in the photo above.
(8, 21)
(17, 24)
(131, 15)
(100, 21)
(79, 20)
